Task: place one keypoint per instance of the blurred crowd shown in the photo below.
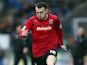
(13, 12)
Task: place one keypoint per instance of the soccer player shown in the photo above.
(46, 35)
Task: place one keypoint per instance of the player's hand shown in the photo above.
(25, 50)
(25, 33)
(63, 47)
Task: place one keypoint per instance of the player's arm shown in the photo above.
(58, 27)
(26, 28)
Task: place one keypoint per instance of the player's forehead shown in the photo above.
(40, 9)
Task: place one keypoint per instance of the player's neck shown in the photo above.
(46, 17)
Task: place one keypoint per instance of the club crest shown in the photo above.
(51, 21)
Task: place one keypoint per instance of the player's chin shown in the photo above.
(40, 18)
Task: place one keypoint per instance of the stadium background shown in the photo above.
(72, 13)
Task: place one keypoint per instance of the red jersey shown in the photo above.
(46, 34)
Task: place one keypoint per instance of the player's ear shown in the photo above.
(46, 10)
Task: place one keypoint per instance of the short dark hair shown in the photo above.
(41, 4)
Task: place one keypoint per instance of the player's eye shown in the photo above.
(39, 12)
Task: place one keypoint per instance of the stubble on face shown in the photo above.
(41, 13)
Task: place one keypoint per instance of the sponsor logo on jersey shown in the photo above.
(51, 21)
(44, 28)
